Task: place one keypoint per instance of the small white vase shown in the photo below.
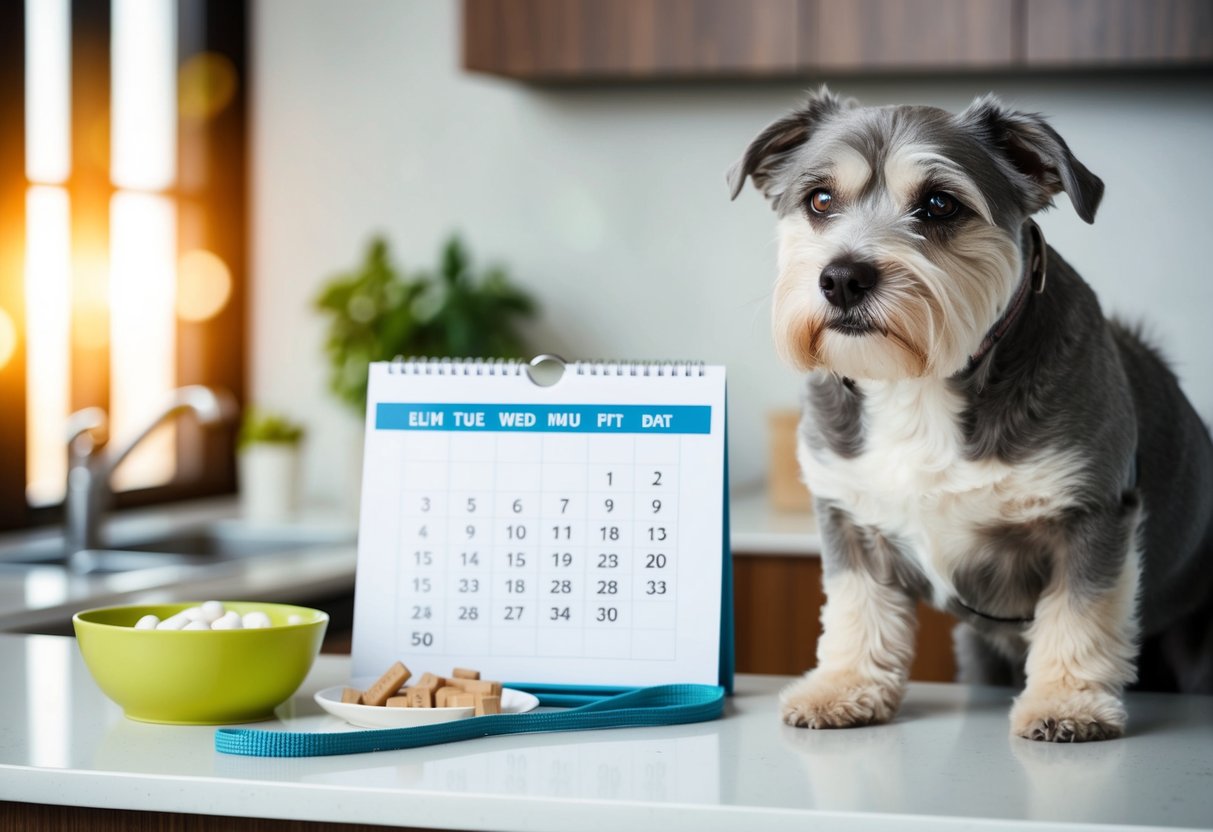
(269, 481)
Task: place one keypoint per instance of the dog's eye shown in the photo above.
(939, 206)
(820, 201)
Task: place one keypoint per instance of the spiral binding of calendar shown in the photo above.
(639, 368)
(416, 365)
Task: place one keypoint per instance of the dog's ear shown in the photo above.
(772, 149)
(1038, 153)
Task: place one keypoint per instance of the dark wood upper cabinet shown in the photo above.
(572, 40)
(1091, 33)
(866, 35)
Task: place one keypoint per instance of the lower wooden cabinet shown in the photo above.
(777, 601)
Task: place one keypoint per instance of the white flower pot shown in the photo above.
(269, 481)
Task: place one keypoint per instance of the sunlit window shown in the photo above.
(128, 279)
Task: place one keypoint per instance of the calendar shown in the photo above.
(570, 534)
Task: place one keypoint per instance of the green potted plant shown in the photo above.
(268, 459)
(377, 311)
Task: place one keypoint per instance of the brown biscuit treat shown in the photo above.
(442, 696)
(386, 685)
(480, 687)
(461, 700)
(464, 673)
(488, 705)
(398, 702)
(429, 680)
(349, 696)
(420, 697)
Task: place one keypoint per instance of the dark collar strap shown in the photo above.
(989, 617)
(1035, 268)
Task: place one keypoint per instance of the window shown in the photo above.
(122, 250)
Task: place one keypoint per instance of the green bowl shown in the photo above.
(199, 677)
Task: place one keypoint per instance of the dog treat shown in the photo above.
(429, 680)
(386, 685)
(213, 616)
(461, 700)
(488, 705)
(420, 697)
(462, 689)
(442, 698)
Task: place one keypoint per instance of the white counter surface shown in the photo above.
(947, 762)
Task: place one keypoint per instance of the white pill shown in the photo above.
(173, 622)
(255, 620)
(197, 625)
(230, 620)
(212, 611)
(294, 619)
(147, 622)
(193, 614)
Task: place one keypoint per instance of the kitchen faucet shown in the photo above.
(90, 467)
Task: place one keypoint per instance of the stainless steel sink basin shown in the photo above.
(197, 545)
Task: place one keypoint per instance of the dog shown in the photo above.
(975, 433)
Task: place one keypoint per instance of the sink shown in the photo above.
(196, 545)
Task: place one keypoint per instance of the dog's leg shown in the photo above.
(1082, 644)
(867, 643)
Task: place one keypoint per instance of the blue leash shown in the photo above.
(641, 707)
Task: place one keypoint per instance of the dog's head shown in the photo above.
(901, 227)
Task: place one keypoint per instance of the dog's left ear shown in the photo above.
(1037, 153)
(772, 149)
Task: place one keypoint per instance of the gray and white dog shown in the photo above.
(975, 432)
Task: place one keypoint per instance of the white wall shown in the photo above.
(610, 203)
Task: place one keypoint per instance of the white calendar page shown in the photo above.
(570, 534)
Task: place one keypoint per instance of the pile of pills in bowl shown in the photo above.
(211, 616)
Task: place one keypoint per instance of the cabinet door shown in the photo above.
(866, 35)
(1122, 32)
(576, 39)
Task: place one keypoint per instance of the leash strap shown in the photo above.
(641, 707)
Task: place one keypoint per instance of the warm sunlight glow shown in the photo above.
(143, 354)
(204, 285)
(144, 94)
(205, 85)
(8, 338)
(47, 349)
(47, 91)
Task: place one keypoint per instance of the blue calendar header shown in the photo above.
(545, 418)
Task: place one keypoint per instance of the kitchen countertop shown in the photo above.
(946, 762)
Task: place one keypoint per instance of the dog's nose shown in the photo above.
(845, 282)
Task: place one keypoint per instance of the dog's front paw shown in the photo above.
(838, 700)
(1057, 714)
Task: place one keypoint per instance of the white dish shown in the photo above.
(369, 716)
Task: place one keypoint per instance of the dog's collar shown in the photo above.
(996, 618)
(1035, 266)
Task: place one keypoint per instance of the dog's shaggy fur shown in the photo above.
(975, 432)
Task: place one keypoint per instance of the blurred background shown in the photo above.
(184, 179)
